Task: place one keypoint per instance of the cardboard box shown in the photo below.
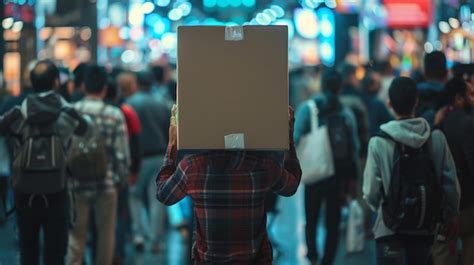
(233, 87)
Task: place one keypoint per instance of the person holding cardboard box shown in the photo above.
(228, 191)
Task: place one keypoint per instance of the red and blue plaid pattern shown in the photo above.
(228, 189)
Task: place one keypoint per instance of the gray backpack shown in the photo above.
(88, 156)
(39, 166)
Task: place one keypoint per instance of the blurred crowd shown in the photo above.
(131, 110)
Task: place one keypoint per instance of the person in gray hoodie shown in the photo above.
(393, 248)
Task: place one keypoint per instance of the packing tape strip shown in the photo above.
(235, 141)
(234, 33)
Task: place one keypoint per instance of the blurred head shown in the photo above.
(331, 82)
(127, 84)
(44, 76)
(66, 85)
(144, 80)
(372, 83)
(159, 74)
(95, 80)
(113, 94)
(403, 96)
(435, 66)
(79, 73)
(459, 93)
(348, 72)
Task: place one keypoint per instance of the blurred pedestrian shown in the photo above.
(386, 70)
(66, 84)
(79, 89)
(431, 90)
(335, 190)
(458, 126)
(44, 126)
(351, 97)
(410, 181)
(93, 189)
(153, 112)
(228, 191)
(377, 110)
(114, 97)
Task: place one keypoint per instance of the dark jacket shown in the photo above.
(326, 105)
(430, 100)
(378, 113)
(458, 126)
(37, 108)
(154, 114)
(352, 99)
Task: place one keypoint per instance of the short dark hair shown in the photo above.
(403, 95)
(331, 82)
(79, 73)
(95, 79)
(144, 80)
(158, 73)
(44, 76)
(435, 65)
(454, 87)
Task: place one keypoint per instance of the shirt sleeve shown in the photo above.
(302, 122)
(372, 186)
(8, 119)
(288, 176)
(171, 181)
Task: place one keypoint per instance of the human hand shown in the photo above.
(173, 135)
(440, 116)
(291, 117)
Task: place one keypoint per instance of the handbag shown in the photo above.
(314, 151)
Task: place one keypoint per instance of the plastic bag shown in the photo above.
(355, 228)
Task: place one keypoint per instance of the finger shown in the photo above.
(173, 110)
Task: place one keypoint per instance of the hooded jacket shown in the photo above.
(378, 171)
(42, 108)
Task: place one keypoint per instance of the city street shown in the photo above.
(174, 249)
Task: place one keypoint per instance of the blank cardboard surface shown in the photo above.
(233, 88)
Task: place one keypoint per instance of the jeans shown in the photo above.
(147, 222)
(104, 204)
(403, 250)
(50, 213)
(328, 191)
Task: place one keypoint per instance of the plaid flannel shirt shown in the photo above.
(228, 189)
(111, 123)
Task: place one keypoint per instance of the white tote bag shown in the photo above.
(314, 150)
(355, 228)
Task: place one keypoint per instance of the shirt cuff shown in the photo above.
(171, 156)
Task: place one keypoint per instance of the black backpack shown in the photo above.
(412, 203)
(340, 137)
(39, 165)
